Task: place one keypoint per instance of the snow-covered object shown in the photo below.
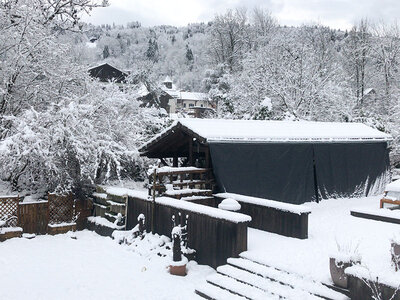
(205, 210)
(267, 103)
(385, 276)
(119, 191)
(217, 130)
(229, 204)
(393, 186)
(167, 169)
(104, 222)
(180, 263)
(177, 230)
(293, 208)
(10, 229)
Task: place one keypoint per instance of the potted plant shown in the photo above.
(346, 256)
(395, 251)
(178, 264)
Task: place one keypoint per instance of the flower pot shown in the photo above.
(337, 267)
(395, 249)
(178, 267)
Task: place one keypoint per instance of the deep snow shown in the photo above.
(330, 223)
(89, 267)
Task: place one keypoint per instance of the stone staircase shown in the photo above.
(242, 278)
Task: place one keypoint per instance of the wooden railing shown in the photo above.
(179, 178)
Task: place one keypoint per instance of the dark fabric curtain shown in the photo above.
(282, 172)
(345, 170)
(285, 172)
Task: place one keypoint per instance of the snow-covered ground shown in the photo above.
(94, 267)
(90, 267)
(330, 221)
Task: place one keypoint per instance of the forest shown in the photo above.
(61, 129)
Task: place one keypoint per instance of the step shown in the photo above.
(239, 288)
(187, 192)
(265, 284)
(290, 279)
(210, 291)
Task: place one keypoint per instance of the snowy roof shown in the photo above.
(225, 130)
(255, 130)
(193, 96)
(167, 79)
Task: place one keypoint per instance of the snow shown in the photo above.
(193, 96)
(293, 208)
(100, 195)
(383, 212)
(267, 102)
(62, 224)
(205, 210)
(219, 130)
(10, 229)
(330, 224)
(391, 279)
(91, 267)
(104, 222)
(180, 263)
(229, 204)
(167, 169)
(184, 191)
(393, 186)
(121, 191)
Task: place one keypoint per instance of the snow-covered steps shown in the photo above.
(252, 280)
(210, 291)
(265, 284)
(236, 287)
(295, 281)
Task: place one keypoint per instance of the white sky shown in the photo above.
(335, 13)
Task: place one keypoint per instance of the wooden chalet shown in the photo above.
(292, 162)
(105, 73)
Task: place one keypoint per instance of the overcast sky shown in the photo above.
(335, 13)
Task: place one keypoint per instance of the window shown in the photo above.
(184, 105)
(191, 105)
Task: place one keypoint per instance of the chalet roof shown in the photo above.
(223, 130)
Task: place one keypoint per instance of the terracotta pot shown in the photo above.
(338, 275)
(178, 270)
(396, 255)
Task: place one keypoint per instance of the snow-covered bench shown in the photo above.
(273, 216)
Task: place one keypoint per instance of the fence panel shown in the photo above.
(34, 217)
(9, 208)
(61, 208)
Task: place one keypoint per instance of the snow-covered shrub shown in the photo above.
(88, 138)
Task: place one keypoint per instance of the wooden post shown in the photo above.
(153, 210)
(190, 152)
(175, 161)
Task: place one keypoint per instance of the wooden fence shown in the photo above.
(282, 218)
(34, 217)
(214, 238)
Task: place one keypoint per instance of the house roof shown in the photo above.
(224, 130)
(193, 96)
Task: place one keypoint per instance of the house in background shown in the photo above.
(185, 102)
(106, 73)
(175, 101)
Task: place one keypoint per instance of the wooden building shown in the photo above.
(292, 162)
(106, 73)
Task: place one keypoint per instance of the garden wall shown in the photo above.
(215, 234)
(282, 218)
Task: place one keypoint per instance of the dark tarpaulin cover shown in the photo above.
(345, 170)
(281, 172)
(285, 171)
